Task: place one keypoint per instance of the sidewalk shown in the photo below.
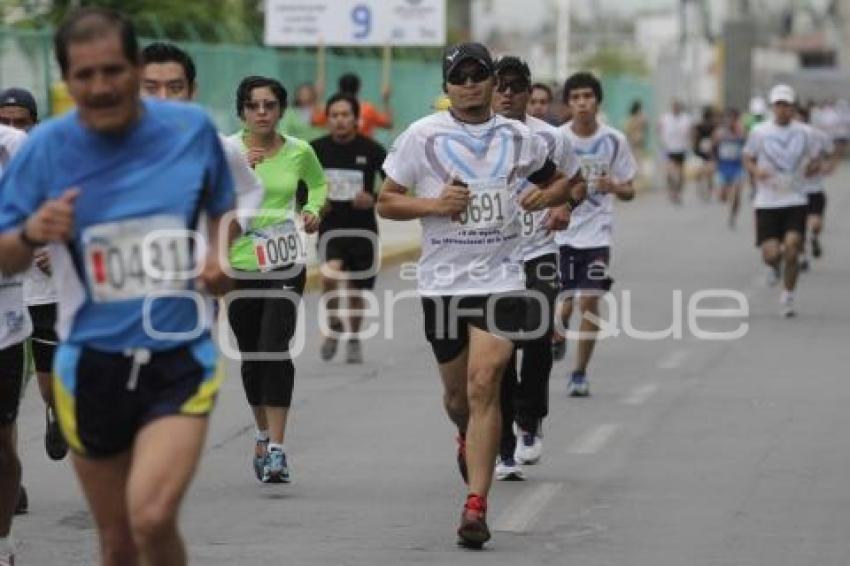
(400, 241)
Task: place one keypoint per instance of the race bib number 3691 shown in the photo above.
(131, 259)
(489, 205)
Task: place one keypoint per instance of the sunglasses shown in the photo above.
(516, 85)
(478, 74)
(267, 105)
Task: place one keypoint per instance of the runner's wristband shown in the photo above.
(29, 242)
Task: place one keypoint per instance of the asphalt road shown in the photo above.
(689, 452)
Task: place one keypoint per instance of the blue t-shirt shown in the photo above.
(169, 165)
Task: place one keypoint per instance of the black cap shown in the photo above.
(509, 62)
(457, 54)
(19, 97)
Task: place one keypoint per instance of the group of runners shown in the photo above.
(781, 154)
(121, 221)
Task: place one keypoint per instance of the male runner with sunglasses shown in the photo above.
(525, 398)
(469, 167)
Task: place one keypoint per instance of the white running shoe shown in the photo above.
(787, 302)
(508, 470)
(529, 446)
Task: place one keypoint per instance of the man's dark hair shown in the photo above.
(248, 84)
(160, 52)
(349, 83)
(343, 96)
(544, 87)
(87, 24)
(583, 80)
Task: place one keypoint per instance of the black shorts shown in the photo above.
(103, 399)
(448, 319)
(12, 364)
(358, 255)
(585, 269)
(678, 157)
(775, 223)
(817, 204)
(44, 338)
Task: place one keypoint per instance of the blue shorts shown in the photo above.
(729, 173)
(103, 399)
(585, 269)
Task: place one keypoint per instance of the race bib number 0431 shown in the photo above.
(279, 245)
(488, 208)
(131, 259)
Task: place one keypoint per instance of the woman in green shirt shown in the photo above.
(271, 261)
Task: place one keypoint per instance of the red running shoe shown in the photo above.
(473, 531)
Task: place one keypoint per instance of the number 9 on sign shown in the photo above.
(361, 15)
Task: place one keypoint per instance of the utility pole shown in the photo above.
(562, 40)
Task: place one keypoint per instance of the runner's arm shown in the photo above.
(394, 202)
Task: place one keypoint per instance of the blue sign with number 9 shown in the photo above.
(361, 15)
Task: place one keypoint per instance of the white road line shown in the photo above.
(526, 508)
(673, 360)
(593, 440)
(641, 394)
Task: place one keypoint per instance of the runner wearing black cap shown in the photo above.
(469, 167)
(18, 109)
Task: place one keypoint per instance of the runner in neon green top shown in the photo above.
(272, 257)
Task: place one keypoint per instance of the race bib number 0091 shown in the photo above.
(344, 184)
(488, 206)
(279, 245)
(131, 259)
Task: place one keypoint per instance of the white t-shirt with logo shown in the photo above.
(606, 152)
(479, 252)
(825, 148)
(15, 323)
(784, 151)
(537, 239)
(676, 131)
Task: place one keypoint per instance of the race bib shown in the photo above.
(705, 145)
(729, 151)
(530, 222)
(783, 183)
(592, 168)
(131, 259)
(344, 184)
(488, 207)
(279, 245)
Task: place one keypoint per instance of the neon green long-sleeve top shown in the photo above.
(295, 161)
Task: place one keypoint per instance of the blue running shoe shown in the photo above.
(276, 469)
(260, 451)
(578, 386)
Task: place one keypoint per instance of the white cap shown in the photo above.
(782, 93)
(758, 106)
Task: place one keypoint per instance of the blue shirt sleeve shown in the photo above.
(23, 187)
(221, 194)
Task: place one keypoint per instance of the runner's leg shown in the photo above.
(165, 456)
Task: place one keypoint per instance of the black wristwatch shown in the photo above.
(573, 203)
(29, 242)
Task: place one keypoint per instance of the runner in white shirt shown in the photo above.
(18, 108)
(15, 327)
(675, 130)
(609, 168)
(525, 398)
(468, 167)
(779, 154)
(814, 187)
